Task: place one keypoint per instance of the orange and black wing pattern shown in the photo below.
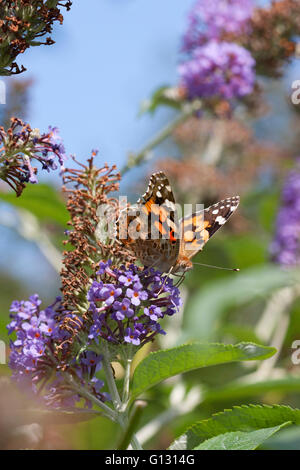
(199, 227)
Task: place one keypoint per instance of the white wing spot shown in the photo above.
(170, 204)
(220, 220)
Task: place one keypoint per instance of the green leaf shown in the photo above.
(240, 418)
(240, 440)
(235, 390)
(288, 439)
(160, 365)
(43, 200)
(206, 307)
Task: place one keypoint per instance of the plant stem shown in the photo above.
(126, 383)
(110, 379)
(128, 436)
(136, 159)
(108, 412)
(120, 407)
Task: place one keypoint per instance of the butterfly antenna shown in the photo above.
(217, 267)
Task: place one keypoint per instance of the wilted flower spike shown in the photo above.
(82, 265)
(92, 186)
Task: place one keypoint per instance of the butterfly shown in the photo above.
(158, 238)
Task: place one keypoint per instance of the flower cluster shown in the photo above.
(20, 145)
(285, 248)
(214, 67)
(224, 70)
(211, 19)
(22, 23)
(33, 360)
(34, 330)
(104, 304)
(128, 303)
(118, 302)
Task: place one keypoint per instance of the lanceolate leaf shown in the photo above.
(240, 440)
(160, 365)
(240, 418)
(234, 391)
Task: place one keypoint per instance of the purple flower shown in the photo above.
(210, 19)
(123, 309)
(132, 315)
(103, 267)
(32, 358)
(109, 293)
(285, 248)
(153, 312)
(132, 336)
(128, 278)
(222, 70)
(137, 294)
(91, 360)
(33, 328)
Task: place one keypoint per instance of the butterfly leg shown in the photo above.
(180, 281)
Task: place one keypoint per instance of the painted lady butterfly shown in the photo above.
(176, 241)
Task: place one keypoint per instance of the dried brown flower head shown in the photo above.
(91, 188)
(22, 23)
(272, 40)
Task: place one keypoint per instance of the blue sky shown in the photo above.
(109, 56)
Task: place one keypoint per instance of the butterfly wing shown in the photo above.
(157, 242)
(199, 227)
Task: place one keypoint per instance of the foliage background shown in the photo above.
(109, 57)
